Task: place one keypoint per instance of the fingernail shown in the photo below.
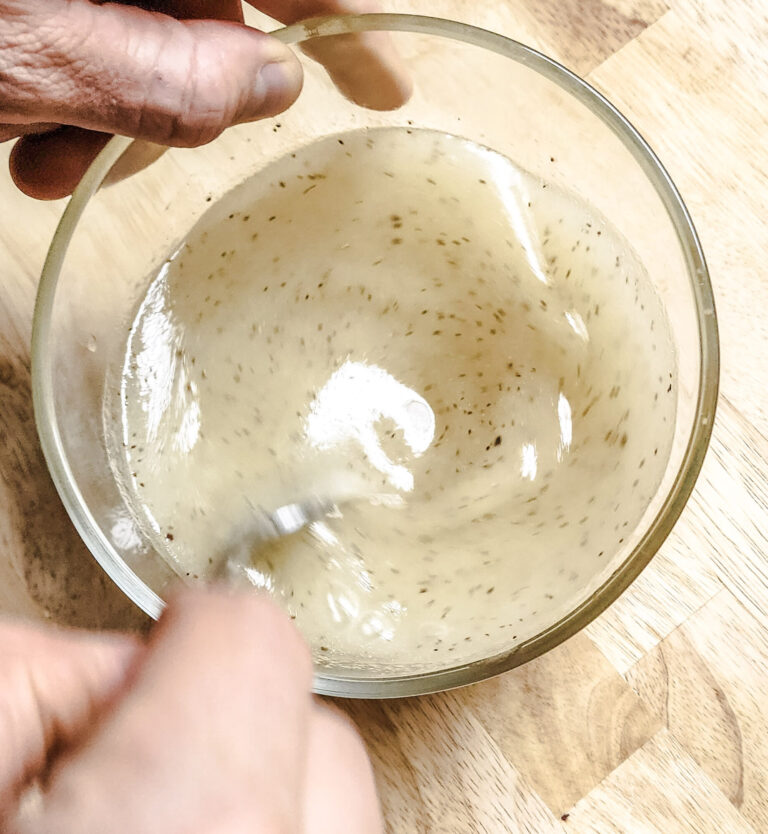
(277, 86)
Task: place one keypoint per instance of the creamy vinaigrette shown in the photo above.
(472, 363)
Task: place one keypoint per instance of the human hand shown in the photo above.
(209, 728)
(171, 72)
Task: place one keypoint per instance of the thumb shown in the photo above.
(52, 685)
(121, 69)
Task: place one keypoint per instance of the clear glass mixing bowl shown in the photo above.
(468, 82)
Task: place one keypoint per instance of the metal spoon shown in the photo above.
(290, 518)
(265, 526)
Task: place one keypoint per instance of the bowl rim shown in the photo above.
(613, 586)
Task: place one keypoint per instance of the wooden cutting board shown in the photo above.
(654, 718)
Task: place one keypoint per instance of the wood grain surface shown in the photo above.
(654, 718)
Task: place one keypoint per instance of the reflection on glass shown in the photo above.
(564, 417)
(355, 399)
(530, 461)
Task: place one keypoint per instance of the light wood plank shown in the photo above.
(440, 772)
(565, 720)
(579, 33)
(659, 790)
(696, 85)
(729, 509)
(721, 539)
(675, 585)
(707, 681)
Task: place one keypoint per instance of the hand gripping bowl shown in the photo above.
(467, 81)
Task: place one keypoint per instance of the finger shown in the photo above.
(53, 684)
(164, 80)
(231, 10)
(340, 794)
(365, 67)
(49, 166)
(211, 736)
(205, 9)
(14, 131)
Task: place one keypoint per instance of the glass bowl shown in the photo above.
(467, 81)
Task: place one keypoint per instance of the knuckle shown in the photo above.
(185, 128)
(17, 61)
(196, 129)
(183, 105)
(182, 120)
(38, 59)
(8, 132)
